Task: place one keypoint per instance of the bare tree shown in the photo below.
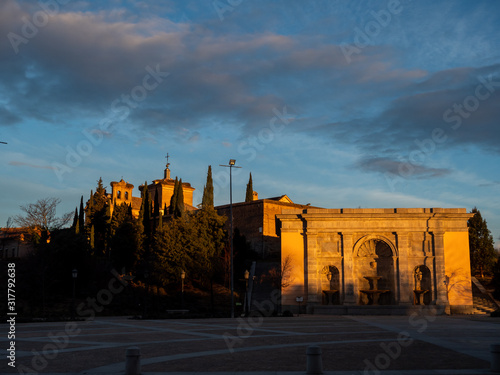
(280, 277)
(42, 215)
(9, 223)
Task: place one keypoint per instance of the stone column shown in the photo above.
(350, 297)
(312, 280)
(441, 282)
(405, 274)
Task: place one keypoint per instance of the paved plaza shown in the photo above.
(350, 345)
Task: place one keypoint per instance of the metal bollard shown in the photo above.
(314, 361)
(495, 358)
(133, 361)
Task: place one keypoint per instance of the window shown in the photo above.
(119, 194)
(126, 195)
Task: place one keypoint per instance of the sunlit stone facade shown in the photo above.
(347, 260)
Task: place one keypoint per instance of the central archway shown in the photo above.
(374, 269)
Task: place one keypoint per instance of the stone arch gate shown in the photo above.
(375, 250)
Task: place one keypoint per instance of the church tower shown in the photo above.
(165, 189)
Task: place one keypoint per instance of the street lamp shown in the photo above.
(74, 273)
(183, 276)
(231, 165)
(247, 276)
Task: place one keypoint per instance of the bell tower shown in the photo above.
(166, 173)
(165, 189)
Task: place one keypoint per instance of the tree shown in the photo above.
(156, 208)
(280, 277)
(146, 210)
(179, 205)
(125, 242)
(496, 279)
(41, 216)
(249, 193)
(207, 201)
(98, 216)
(482, 251)
(75, 224)
(173, 198)
(193, 243)
(81, 216)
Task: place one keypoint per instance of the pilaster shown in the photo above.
(440, 276)
(312, 281)
(350, 297)
(405, 274)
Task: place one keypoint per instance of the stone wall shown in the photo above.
(401, 250)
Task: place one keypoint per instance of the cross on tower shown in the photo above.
(166, 174)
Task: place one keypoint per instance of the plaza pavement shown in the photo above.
(350, 345)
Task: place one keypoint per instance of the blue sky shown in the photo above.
(334, 103)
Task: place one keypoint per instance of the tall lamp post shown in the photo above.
(183, 276)
(74, 274)
(247, 276)
(231, 165)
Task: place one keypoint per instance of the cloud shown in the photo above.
(22, 164)
(406, 170)
(7, 117)
(82, 62)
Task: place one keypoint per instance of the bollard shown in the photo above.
(314, 361)
(495, 358)
(133, 361)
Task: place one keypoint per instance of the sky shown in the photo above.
(335, 103)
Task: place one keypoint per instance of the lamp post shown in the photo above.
(74, 274)
(146, 294)
(183, 276)
(247, 276)
(231, 165)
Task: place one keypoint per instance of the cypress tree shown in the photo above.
(75, 219)
(173, 198)
(146, 202)
(90, 208)
(249, 193)
(208, 191)
(81, 217)
(156, 208)
(160, 221)
(179, 206)
(92, 237)
(108, 211)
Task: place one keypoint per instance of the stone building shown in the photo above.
(350, 261)
(15, 243)
(121, 192)
(256, 220)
